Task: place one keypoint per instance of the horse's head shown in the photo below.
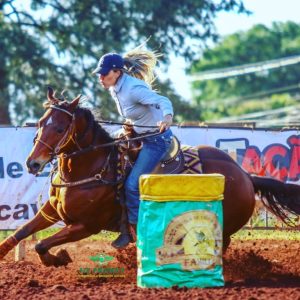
(54, 130)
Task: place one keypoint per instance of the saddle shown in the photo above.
(173, 151)
(133, 147)
(173, 161)
(181, 159)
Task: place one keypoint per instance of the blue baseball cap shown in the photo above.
(109, 62)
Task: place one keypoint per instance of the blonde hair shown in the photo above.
(140, 63)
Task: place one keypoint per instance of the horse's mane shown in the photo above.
(102, 133)
(90, 118)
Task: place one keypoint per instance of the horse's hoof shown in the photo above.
(47, 259)
(63, 257)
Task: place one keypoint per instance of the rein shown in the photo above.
(114, 143)
(69, 136)
(127, 124)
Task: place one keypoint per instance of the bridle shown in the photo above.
(55, 150)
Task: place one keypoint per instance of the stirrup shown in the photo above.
(122, 241)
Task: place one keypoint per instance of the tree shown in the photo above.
(258, 44)
(59, 42)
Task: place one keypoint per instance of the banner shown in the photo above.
(264, 152)
(19, 190)
(268, 153)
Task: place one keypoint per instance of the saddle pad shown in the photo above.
(192, 162)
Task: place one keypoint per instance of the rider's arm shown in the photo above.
(144, 95)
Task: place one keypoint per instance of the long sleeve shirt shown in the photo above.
(137, 102)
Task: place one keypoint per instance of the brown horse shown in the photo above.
(83, 193)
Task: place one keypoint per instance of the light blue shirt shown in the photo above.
(137, 102)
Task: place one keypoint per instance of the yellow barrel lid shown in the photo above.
(182, 187)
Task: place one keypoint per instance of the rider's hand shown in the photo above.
(127, 127)
(166, 123)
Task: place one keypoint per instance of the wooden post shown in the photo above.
(34, 238)
(267, 218)
(20, 251)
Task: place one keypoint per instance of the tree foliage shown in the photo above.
(258, 44)
(59, 42)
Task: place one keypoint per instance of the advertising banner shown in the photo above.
(19, 191)
(269, 153)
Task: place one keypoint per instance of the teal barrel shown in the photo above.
(179, 233)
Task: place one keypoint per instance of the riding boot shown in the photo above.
(122, 241)
(125, 237)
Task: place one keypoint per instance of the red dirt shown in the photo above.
(260, 269)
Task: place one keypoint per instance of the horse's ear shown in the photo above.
(63, 94)
(75, 102)
(50, 93)
(51, 96)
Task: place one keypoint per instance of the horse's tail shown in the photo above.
(281, 198)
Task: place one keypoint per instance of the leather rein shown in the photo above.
(69, 136)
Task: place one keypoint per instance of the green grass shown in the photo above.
(102, 236)
(244, 234)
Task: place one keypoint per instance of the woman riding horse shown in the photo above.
(129, 81)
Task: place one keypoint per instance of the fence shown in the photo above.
(262, 151)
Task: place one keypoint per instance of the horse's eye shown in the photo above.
(59, 130)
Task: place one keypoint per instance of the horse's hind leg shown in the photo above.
(226, 243)
(38, 223)
(70, 233)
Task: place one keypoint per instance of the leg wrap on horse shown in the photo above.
(7, 245)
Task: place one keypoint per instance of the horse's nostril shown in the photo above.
(33, 166)
(36, 166)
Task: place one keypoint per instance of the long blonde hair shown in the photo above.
(140, 63)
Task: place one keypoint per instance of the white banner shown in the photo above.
(268, 153)
(18, 190)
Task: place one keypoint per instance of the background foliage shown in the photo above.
(55, 42)
(251, 92)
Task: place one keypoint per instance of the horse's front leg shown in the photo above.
(45, 217)
(70, 233)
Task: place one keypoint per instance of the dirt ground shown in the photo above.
(261, 269)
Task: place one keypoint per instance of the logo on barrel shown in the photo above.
(194, 240)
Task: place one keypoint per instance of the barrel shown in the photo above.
(179, 232)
